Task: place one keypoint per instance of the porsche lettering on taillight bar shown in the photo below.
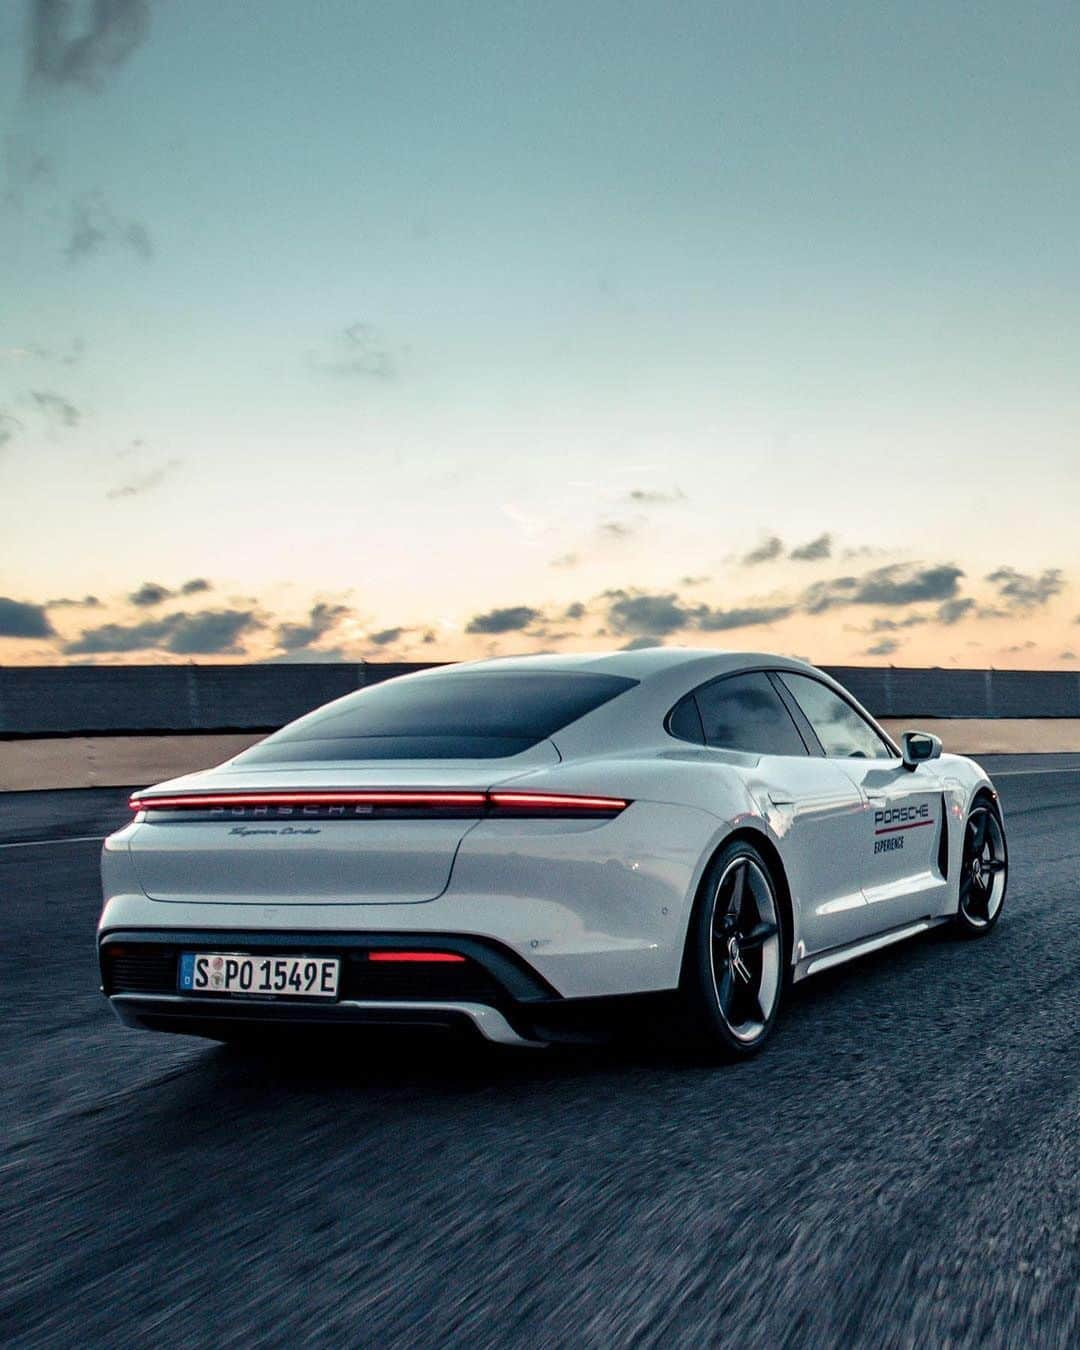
(335, 805)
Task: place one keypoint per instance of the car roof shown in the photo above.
(639, 664)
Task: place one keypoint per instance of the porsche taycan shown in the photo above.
(536, 849)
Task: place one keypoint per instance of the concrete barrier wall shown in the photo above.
(31, 765)
(68, 727)
(897, 692)
(85, 700)
(82, 700)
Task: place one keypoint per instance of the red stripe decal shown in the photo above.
(892, 829)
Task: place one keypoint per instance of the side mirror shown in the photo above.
(919, 746)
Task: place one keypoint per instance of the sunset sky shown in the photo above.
(428, 330)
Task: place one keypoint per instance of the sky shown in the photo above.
(437, 330)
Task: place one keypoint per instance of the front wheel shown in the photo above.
(733, 972)
(984, 871)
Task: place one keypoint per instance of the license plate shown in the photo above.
(267, 976)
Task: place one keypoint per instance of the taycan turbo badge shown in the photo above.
(506, 846)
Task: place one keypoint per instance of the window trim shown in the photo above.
(808, 750)
(791, 703)
(842, 694)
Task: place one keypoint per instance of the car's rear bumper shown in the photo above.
(490, 991)
(221, 1016)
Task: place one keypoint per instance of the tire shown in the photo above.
(984, 871)
(735, 968)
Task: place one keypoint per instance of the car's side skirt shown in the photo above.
(813, 965)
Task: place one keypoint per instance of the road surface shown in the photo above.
(901, 1166)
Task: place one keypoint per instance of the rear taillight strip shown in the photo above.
(197, 801)
(494, 802)
(417, 958)
(555, 801)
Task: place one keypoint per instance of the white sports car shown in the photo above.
(531, 847)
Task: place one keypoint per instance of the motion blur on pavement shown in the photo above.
(901, 1164)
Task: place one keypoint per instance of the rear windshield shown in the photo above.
(443, 716)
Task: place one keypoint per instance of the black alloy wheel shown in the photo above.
(734, 972)
(984, 870)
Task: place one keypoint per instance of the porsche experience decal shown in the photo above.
(891, 823)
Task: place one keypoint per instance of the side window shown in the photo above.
(744, 712)
(843, 733)
(685, 721)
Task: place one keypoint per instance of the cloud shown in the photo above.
(205, 632)
(359, 349)
(137, 238)
(9, 427)
(617, 529)
(894, 625)
(21, 620)
(637, 613)
(694, 581)
(813, 549)
(719, 620)
(885, 647)
(655, 497)
(1020, 590)
(55, 407)
(149, 593)
(144, 482)
(952, 611)
(512, 619)
(85, 238)
(765, 552)
(210, 630)
(34, 351)
(153, 593)
(94, 225)
(308, 656)
(386, 636)
(565, 560)
(896, 584)
(87, 602)
(574, 611)
(82, 48)
(639, 643)
(322, 618)
(1068, 655)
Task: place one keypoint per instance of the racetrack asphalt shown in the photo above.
(900, 1167)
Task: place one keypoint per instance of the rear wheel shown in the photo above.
(733, 974)
(984, 871)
